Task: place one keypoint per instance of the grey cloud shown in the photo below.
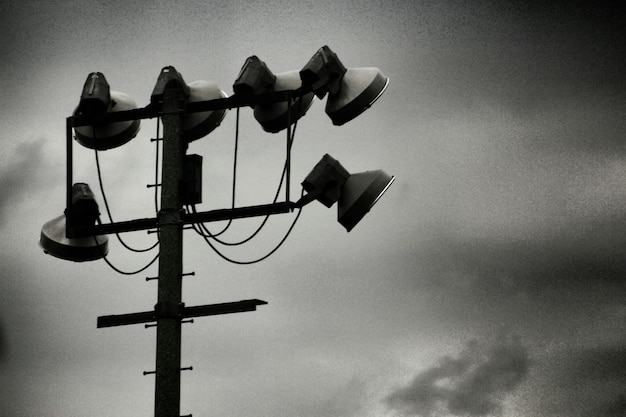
(2, 345)
(558, 69)
(473, 384)
(608, 363)
(21, 175)
(616, 408)
(582, 383)
(584, 255)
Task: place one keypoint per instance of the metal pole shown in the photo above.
(169, 306)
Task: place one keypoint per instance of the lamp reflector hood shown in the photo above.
(359, 194)
(198, 125)
(360, 88)
(109, 135)
(274, 117)
(54, 242)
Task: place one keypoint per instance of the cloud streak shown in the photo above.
(474, 383)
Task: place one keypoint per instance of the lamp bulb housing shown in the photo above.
(275, 117)
(360, 88)
(106, 136)
(323, 73)
(197, 125)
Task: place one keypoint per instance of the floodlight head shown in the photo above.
(275, 117)
(198, 125)
(98, 99)
(255, 78)
(82, 212)
(360, 88)
(325, 180)
(96, 95)
(351, 91)
(54, 242)
(359, 194)
(168, 77)
(323, 72)
(330, 182)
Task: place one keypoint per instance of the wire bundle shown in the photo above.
(211, 238)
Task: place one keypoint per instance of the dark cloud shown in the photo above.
(616, 408)
(597, 364)
(581, 382)
(2, 345)
(472, 384)
(557, 67)
(583, 255)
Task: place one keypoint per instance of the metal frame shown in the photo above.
(152, 111)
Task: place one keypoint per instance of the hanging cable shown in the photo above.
(264, 257)
(106, 204)
(119, 271)
(203, 230)
(230, 221)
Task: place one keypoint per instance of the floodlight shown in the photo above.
(351, 90)
(82, 212)
(256, 78)
(166, 76)
(359, 194)
(330, 182)
(95, 99)
(198, 125)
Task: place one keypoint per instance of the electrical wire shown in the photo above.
(106, 203)
(204, 231)
(234, 187)
(116, 269)
(264, 257)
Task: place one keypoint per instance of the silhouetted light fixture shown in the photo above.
(198, 125)
(97, 98)
(166, 76)
(256, 78)
(351, 90)
(330, 182)
(82, 212)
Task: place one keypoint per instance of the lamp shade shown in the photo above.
(109, 135)
(54, 242)
(360, 88)
(275, 117)
(198, 125)
(359, 194)
(329, 182)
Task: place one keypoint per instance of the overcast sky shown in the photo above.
(490, 280)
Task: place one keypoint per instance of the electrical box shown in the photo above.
(191, 187)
